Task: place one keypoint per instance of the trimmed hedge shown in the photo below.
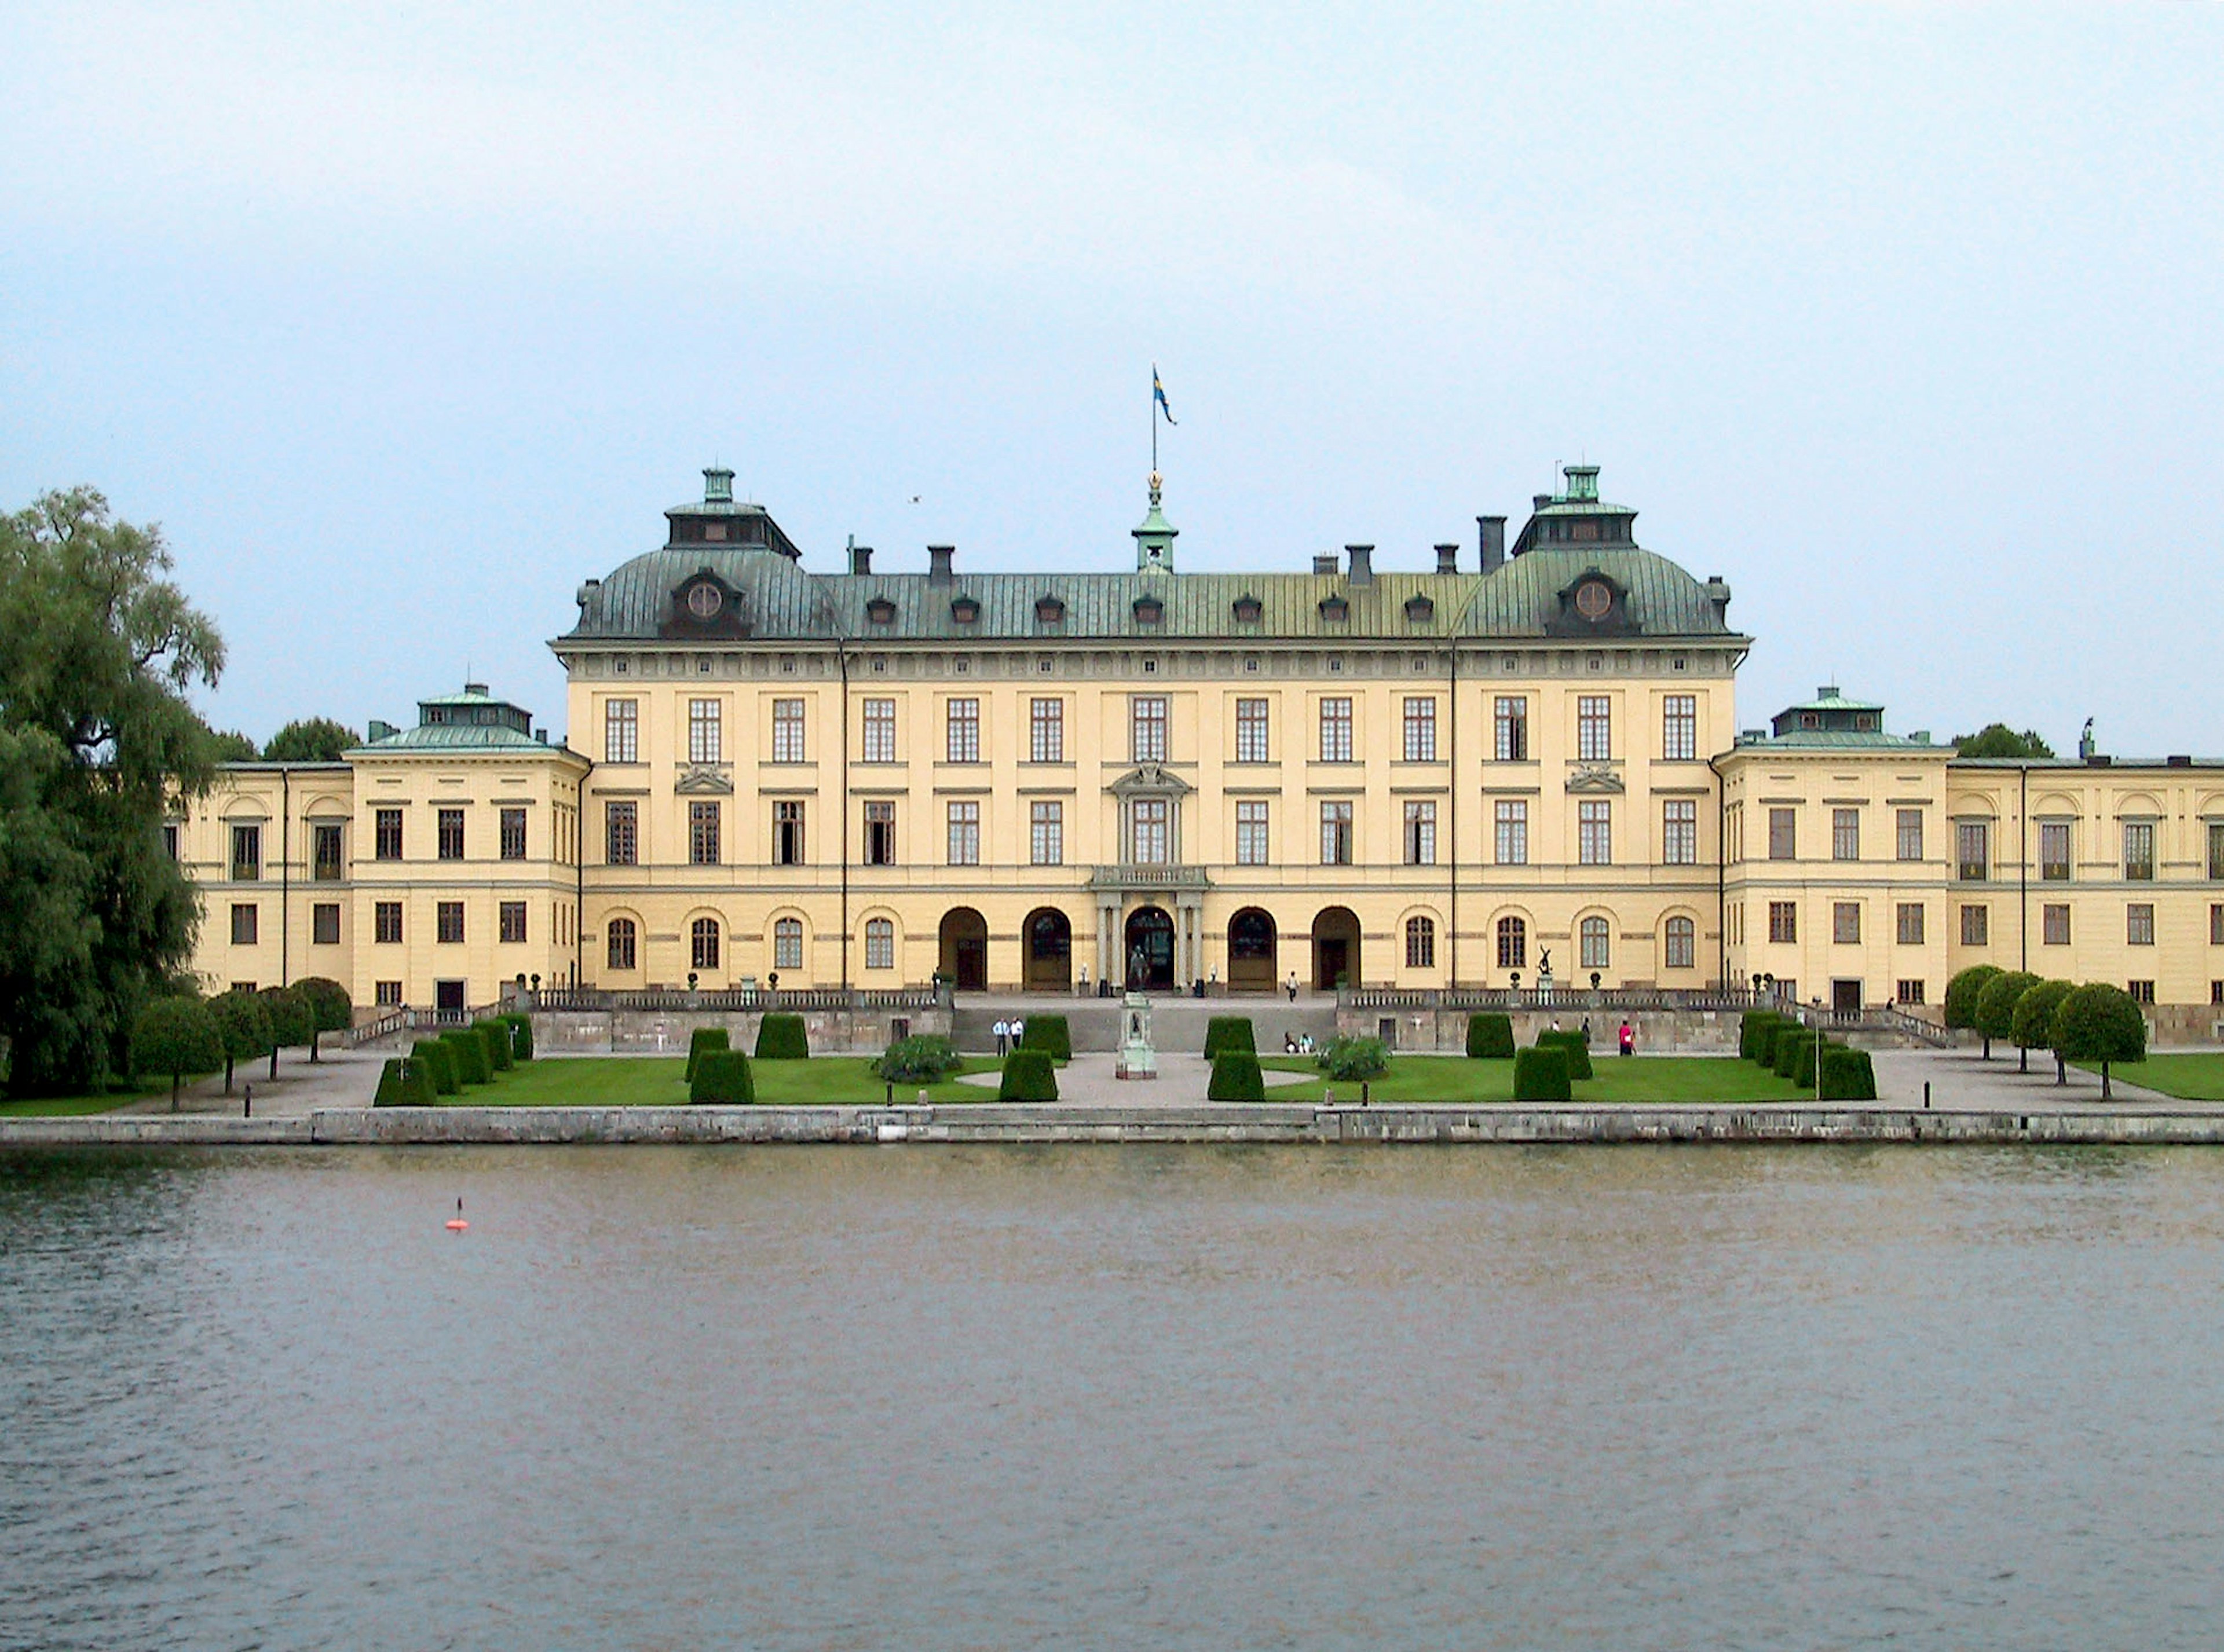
(1788, 1040)
(521, 1035)
(500, 1044)
(722, 1079)
(700, 1043)
(1540, 1074)
(1578, 1048)
(1054, 1037)
(390, 1084)
(1221, 1034)
(439, 1060)
(780, 1037)
(1750, 1027)
(1489, 1035)
(1235, 1077)
(1028, 1076)
(472, 1065)
(1847, 1075)
(1764, 1043)
(923, 1058)
(1802, 1067)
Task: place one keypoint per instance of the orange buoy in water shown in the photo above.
(456, 1223)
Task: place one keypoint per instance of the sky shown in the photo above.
(402, 320)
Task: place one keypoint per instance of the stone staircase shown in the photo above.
(1177, 1024)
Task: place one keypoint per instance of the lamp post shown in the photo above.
(1818, 1051)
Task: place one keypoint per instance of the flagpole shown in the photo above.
(1154, 418)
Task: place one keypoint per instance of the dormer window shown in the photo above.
(1419, 610)
(1050, 610)
(1247, 609)
(1865, 719)
(1149, 611)
(881, 611)
(964, 609)
(1809, 720)
(1335, 609)
(705, 599)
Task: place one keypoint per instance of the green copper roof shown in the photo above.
(453, 737)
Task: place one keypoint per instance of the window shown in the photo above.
(2217, 926)
(1593, 728)
(1512, 728)
(510, 919)
(965, 834)
(324, 855)
(1146, 728)
(1679, 947)
(386, 923)
(386, 836)
(703, 943)
(1846, 922)
(1976, 926)
(1680, 832)
(2054, 925)
(1251, 731)
(170, 841)
(243, 926)
(1593, 938)
(1420, 944)
(622, 943)
(963, 741)
(448, 922)
(2138, 923)
(1046, 833)
(622, 834)
(1513, 831)
(2054, 851)
(2142, 991)
(324, 923)
(1845, 834)
(1251, 834)
(449, 834)
(787, 830)
(1908, 992)
(706, 739)
(1783, 834)
(788, 731)
(703, 835)
(1910, 835)
(1679, 728)
(387, 995)
(1046, 731)
(1421, 833)
(2216, 849)
(1335, 730)
(246, 853)
(879, 943)
(880, 741)
(1335, 834)
(1149, 830)
(621, 731)
(1420, 728)
(513, 834)
(1783, 922)
(1909, 915)
(1594, 833)
(1513, 944)
(880, 834)
(1973, 850)
(787, 944)
(2138, 850)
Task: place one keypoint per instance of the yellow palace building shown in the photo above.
(1389, 781)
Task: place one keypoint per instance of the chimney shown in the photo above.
(1448, 558)
(1494, 542)
(860, 558)
(938, 564)
(1362, 563)
(475, 687)
(1323, 562)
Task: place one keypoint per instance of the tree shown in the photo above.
(1996, 1006)
(1961, 994)
(230, 746)
(176, 1036)
(97, 745)
(244, 1024)
(291, 1020)
(2034, 1021)
(310, 740)
(2100, 1023)
(329, 1003)
(1997, 740)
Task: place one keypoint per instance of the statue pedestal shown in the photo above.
(1138, 1058)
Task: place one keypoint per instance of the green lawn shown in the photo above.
(1635, 1079)
(70, 1107)
(660, 1081)
(2197, 1076)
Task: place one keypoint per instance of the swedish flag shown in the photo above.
(1158, 394)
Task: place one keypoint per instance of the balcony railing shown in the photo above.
(1133, 874)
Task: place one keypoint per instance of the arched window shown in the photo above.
(787, 944)
(622, 943)
(703, 945)
(1420, 944)
(1513, 944)
(1680, 948)
(879, 943)
(1592, 938)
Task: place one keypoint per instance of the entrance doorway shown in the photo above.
(1049, 951)
(1846, 999)
(1150, 951)
(448, 997)
(966, 949)
(1251, 952)
(1336, 949)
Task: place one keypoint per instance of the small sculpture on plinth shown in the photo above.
(1138, 1057)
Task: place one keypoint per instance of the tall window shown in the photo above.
(386, 923)
(1150, 828)
(1594, 728)
(1680, 832)
(386, 836)
(1909, 917)
(1593, 939)
(510, 921)
(2138, 923)
(879, 943)
(324, 923)
(1594, 833)
(1783, 834)
(1846, 922)
(246, 853)
(1911, 833)
(1047, 730)
(243, 923)
(325, 852)
(1513, 831)
(2217, 926)
(621, 833)
(1046, 833)
(2054, 924)
(1845, 834)
(1251, 731)
(965, 834)
(1420, 728)
(1146, 728)
(787, 944)
(1679, 946)
(1973, 850)
(703, 943)
(1335, 730)
(621, 731)
(880, 732)
(880, 834)
(1251, 832)
(2216, 849)
(1420, 944)
(1513, 718)
(1513, 944)
(170, 839)
(962, 744)
(705, 741)
(622, 934)
(1335, 834)
(513, 834)
(1421, 833)
(448, 922)
(788, 731)
(2054, 851)
(1783, 922)
(2138, 850)
(787, 831)
(702, 834)
(451, 834)
(1976, 926)
(1679, 728)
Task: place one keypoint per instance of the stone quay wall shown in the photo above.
(667, 1032)
(1694, 1032)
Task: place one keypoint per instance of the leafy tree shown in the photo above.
(329, 1002)
(242, 1022)
(2034, 1028)
(1354, 1059)
(176, 1036)
(230, 746)
(1996, 1007)
(1997, 740)
(292, 1022)
(2100, 1023)
(97, 744)
(1961, 995)
(310, 740)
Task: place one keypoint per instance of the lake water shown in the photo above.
(1190, 1397)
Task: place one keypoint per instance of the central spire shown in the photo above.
(1154, 539)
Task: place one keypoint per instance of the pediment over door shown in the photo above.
(1150, 780)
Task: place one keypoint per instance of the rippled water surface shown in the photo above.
(1184, 1397)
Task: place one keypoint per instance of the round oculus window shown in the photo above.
(1593, 597)
(704, 601)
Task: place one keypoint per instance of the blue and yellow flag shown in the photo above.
(1158, 394)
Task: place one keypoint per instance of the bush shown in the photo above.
(176, 1036)
(701, 1042)
(925, 1058)
(780, 1037)
(390, 1084)
(500, 1049)
(1353, 1060)
(1760, 1045)
(1235, 1077)
(1221, 1033)
(1050, 1035)
(2102, 1024)
(2034, 1028)
(722, 1079)
(472, 1066)
(1489, 1035)
(1577, 1047)
(1786, 1049)
(1540, 1074)
(1028, 1076)
(1847, 1075)
(1802, 1064)
(242, 1022)
(417, 1084)
(439, 1060)
(293, 1018)
(1750, 1027)
(1996, 1002)
(1961, 994)
(521, 1035)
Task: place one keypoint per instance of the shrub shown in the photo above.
(176, 1036)
(1961, 994)
(1786, 1049)
(701, 1042)
(1758, 1045)
(1028, 1076)
(1847, 1075)
(1050, 1035)
(780, 1037)
(1221, 1033)
(1803, 1065)
(2100, 1023)
(471, 1064)
(1353, 1060)
(1750, 1027)
(1235, 1077)
(521, 1035)
(1540, 1074)
(439, 1060)
(242, 1022)
(1995, 1012)
(417, 1084)
(925, 1058)
(722, 1079)
(1577, 1047)
(329, 1002)
(1489, 1035)
(2034, 1028)
(501, 1048)
(390, 1094)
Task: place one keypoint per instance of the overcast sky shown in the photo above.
(402, 320)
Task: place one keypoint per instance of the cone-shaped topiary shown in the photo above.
(1540, 1074)
(471, 1064)
(1028, 1076)
(1847, 1075)
(389, 1093)
(1222, 1032)
(439, 1063)
(1789, 1037)
(1050, 1035)
(780, 1037)
(722, 1079)
(1750, 1027)
(500, 1055)
(1489, 1035)
(701, 1042)
(1577, 1047)
(1235, 1077)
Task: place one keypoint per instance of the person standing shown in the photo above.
(1628, 1037)
(1003, 1031)
(1018, 1030)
